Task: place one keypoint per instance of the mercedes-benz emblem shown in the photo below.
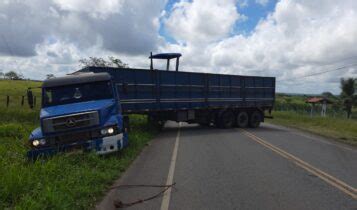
(70, 122)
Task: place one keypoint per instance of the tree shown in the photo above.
(100, 62)
(348, 94)
(1, 75)
(13, 75)
(327, 95)
(117, 62)
(49, 76)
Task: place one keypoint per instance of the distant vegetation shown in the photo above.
(11, 75)
(292, 110)
(101, 62)
(349, 94)
(343, 105)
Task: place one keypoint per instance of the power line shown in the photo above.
(322, 72)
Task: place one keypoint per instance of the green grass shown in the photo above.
(64, 181)
(18, 87)
(343, 130)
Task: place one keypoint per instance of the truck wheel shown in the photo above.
(160, 125)
(155, 123)
(204, 124)
(242, 119)
(226, 119)
(255, 119)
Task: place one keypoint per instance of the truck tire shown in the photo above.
(242, 119)
(155, 122)
(226, 119)
(204, 124)
(255, 119)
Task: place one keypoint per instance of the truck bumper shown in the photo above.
(103, 145)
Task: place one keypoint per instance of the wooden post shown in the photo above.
(7, 101)
(151, 62)
(22, 100)
(312, 109)
(177, 63)
(34, 101)
(168, 65)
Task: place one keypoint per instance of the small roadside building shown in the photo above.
(320, 101)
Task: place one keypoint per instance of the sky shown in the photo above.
(292, 40)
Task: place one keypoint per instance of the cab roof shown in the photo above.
(166, 56)
(76, 79)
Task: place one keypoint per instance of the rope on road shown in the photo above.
(119, 204)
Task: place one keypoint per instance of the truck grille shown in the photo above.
(68, 122)
(73, 138)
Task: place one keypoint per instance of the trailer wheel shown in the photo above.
(155, 123)
(242, 119)
(255, 119)
(204, 124)
(226, 119)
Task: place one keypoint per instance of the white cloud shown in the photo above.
(262, 2)
(42, 36)
(100, 9)
(119, 25)
(202, 21)
(297, 39)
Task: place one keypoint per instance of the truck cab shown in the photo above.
(79, 112)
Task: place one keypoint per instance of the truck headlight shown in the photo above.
(42, 141)
(35, 142)
(38, 142)
(107, 131)
(104, 131)
(110, 130)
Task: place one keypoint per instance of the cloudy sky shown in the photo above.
(288, 39)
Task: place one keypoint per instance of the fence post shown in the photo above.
(34, 101)
(22, 100)
(7, 101)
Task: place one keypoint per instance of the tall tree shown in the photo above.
(348, 94)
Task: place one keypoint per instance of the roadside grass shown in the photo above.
(19, 87)
(64, 181)
(344, 130)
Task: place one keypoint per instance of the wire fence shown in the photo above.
(18, 101)
(334, 111)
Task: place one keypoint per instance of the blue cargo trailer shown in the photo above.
(89, 109)
(221, 99)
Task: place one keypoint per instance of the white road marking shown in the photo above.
(166, 197)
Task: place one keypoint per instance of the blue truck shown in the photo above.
(89, 109)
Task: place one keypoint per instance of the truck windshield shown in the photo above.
(77, 93)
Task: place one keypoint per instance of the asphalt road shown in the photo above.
(270, 167)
